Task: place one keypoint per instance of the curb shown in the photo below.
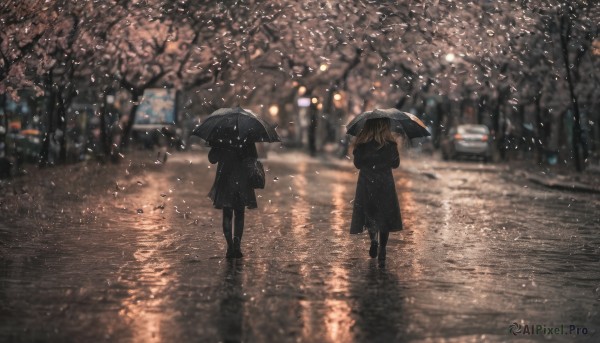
(572, 186)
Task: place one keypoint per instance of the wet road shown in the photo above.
(135, 253)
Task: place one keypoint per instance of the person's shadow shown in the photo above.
(230, 321)
(379, 316)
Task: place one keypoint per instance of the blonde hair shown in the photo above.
(376, 129)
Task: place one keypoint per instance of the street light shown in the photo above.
(273, 110)
(450, 57)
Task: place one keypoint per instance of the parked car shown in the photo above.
(467, 140)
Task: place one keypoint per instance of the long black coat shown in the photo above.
(231, 187)
(376, 202)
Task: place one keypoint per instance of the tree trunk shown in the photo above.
(437, 125)
(105, 134)
(482, 104)
(499, 122)
(578, 148)
(50, 108)
(62, 126)
(539, 129)
(4, 122)
(135, 98)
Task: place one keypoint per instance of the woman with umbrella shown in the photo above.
(231, 191)
(375, 153)
(376, 202)
(231, 134)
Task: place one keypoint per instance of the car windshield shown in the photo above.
(473, 130)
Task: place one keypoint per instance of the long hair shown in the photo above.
(376, 129)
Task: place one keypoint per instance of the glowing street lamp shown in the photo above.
(450, 57)
(273, 110)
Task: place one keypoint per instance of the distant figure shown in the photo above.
(376, 204)
(5, 168)
(232, 191)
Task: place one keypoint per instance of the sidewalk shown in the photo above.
(560, 178)
(556, 177)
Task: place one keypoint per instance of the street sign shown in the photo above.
(156, 109)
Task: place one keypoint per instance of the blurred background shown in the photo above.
(92, 80)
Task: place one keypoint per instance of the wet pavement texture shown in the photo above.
(135, 253)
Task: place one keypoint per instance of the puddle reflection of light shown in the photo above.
(300, 207)
(338, 320)
(300, 225)
(147, 308)
(340, 213)
(411, 221)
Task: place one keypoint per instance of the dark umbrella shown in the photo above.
(401, 122)
(235, 123)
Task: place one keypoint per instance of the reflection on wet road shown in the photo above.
(480, 251)
(148, 308)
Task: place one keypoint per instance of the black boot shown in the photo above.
(383, 239)
(230, 248)
(229, 253)
(227, 217)
(237, 248)
(381, 256)
(374, 244)
(373, 249)
(382, 253)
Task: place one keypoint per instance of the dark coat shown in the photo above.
(231, 187)
(376, 202)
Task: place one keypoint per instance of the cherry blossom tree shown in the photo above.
(497, 57)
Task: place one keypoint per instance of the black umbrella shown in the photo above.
(226, 124)
(400, 121)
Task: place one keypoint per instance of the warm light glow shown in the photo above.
(301, 90)
(450, 57)
(314, 100)
(273, 110)
(154, 274)
(320, 106)
(339, 320)
(338, 100)
(323, 67)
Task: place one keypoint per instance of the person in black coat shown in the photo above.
(231, 190)
(376, 204)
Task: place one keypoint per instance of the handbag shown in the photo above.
(256, 173)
